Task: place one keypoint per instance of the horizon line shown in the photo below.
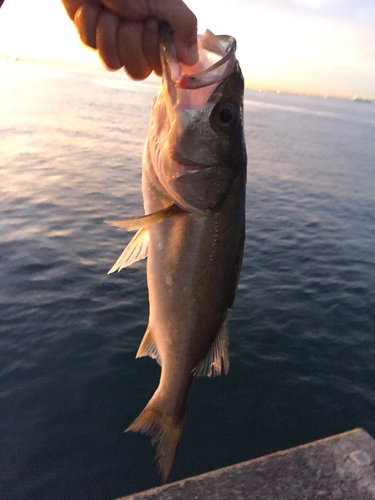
(99, 68)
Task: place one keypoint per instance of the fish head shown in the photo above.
(200, 115)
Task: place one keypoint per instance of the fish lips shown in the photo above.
(217, 60)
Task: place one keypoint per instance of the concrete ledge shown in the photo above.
(341, 467)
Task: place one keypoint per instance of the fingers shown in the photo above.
(150, 45)
(180, 18)
(71, 6)
(106, 39)
(130, 51)
(119, 43)
(86, 20)
(98, 29)
(127, 35)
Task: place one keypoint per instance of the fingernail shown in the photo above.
(192, 55)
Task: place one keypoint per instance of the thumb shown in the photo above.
(184, 29)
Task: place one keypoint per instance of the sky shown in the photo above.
(324, 47)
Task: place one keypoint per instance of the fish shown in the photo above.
(193, 231)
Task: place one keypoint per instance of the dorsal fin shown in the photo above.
(217, 357)
(135, 223)
(148, 347)
(134, 251)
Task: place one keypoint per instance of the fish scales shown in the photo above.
(193, 183)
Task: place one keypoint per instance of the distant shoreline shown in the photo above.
(100, 69)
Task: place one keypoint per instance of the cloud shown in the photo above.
(316, 46)
(339, 9)
(312, 4)
(367, 15)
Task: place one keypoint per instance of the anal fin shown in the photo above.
(148, 347)
(217, 357)
(135, 251)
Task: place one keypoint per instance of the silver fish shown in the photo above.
(193, 183)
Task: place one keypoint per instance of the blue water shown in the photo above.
(302, 330)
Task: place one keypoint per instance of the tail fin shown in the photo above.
(165, 431)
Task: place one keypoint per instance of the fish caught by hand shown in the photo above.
(193, 183)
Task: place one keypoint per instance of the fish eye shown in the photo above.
(224, 115)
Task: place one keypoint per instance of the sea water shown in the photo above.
(302, 329)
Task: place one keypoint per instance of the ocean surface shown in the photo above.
(302, 330)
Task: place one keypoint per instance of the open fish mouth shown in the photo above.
(216, 60)
(198, 109)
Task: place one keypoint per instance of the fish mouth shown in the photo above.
(216, 60)
(183, 165)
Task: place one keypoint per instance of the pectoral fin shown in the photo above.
(136, 250)
(217, 357)
(135, 223)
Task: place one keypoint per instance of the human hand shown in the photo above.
(125, 32)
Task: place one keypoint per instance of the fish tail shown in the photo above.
(164, 431)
